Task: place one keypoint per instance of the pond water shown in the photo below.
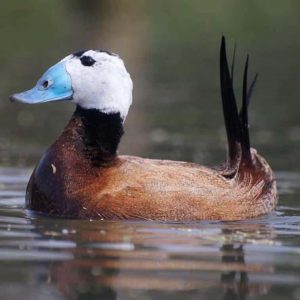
(46, 258)
(171, 49)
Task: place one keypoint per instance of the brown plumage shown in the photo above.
(82, 176)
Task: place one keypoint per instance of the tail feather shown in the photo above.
(245, 139)
(237, 127)
(230, 111)
(250, 90)
(233, 63)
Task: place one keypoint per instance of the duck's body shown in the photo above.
(82, 176)
(74, 180)
(136, 188)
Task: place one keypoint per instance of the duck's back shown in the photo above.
(139, 188)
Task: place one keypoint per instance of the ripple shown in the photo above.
(13, 220)
(288, 182)
(53, 244)
(21, 255)
(112, 246)
(14, 234)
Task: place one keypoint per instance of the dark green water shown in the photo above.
(171, 50)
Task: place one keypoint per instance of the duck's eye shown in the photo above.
(87, 61)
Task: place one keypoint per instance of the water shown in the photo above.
(49, 258)
(171, 50)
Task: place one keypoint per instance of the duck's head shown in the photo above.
(92, 79)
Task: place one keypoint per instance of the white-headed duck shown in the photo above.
(82, 176)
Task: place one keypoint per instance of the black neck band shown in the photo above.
(99, 132)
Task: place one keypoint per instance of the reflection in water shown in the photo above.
(235, 287)
(236, 282)
(115, 258)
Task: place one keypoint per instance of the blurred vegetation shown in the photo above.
(171, 48)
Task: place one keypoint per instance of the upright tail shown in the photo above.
(236, 123)
(253, 176)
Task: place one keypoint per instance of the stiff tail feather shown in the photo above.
(236, 123)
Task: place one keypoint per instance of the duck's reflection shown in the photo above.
(235, 283)
(115, 260)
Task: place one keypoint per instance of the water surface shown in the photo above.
(46, 258)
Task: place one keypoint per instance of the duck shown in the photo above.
(82, 176)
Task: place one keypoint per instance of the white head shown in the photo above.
(100, 81)
(92, 79)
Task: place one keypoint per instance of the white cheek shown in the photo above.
(104, 86)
